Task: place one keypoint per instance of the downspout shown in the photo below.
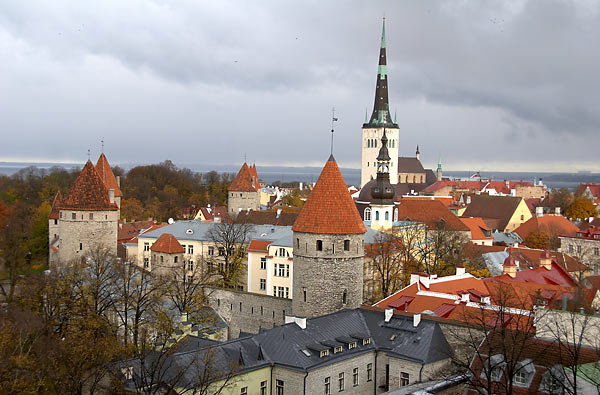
(304, 389)
(375, 374)
(421, 372)
(271, 382)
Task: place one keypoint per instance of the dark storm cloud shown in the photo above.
(204, 82)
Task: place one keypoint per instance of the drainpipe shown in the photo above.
(271, 382)
(421, 372)
(375, 374)
(304, 389)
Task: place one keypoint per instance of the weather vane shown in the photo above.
(102, 141)
(89, 156)
(333, 119)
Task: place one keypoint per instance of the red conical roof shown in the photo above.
(329, 208)
(107, 176)
(243, 181)
(88, 192)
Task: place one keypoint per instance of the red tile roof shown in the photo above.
(243, 181)
(539, 275)
(88, 192)
(258, 246)
(168, 244)
(107, 176)
(330, 208)
(551, 224)
(431, 212)
(129, 230)
(594, 188)
(55, 204)
(477, 227)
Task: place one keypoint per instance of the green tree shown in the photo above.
(581, 208)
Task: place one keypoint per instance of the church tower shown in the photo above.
(328, 249)
(382, 192)
(372, 130)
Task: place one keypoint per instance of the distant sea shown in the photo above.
(270, 174)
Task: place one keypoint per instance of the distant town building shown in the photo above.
(244, 191)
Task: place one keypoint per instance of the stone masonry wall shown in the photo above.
(325, 275)
(248, 312)
(79, 236)
(243, 200)
(315, 382)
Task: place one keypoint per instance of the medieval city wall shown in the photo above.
(248, 312)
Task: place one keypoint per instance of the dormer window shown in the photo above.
(352, 345)
(366, 341)
(337, 349)
(324, 353)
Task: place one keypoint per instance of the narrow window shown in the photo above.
(244, 391)
(346, 245)
(190, 249)
(304, 292)
(404, 379)
(263, 284)
(55, 222)
(367, 214)
(344, 297)
(355, 377)
(387, 216)
(175, 259)
(369, 371)
(279, 387)
(191, 266)
(298, 242)
(146, 263)
(341, 381)
(327, 385)
(376, 215)
(80, 246)
(73, 216)
(319, 245)
(263, 263)
(263, 388)
(91, 216)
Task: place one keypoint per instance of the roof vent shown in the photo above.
(189, 231)
(171, 221)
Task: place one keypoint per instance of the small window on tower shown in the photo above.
(319, 245)
(80, 246)
(346, 245)
(91, 216)
(73, 216)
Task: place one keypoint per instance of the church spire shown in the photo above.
(381, 108)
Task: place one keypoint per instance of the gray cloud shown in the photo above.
(479, 83)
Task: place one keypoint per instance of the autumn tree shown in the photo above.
(383, 261)
(537, 239)
(227, 263)
(581, 209)
(562, 198)
(292, 199)
(132, 209)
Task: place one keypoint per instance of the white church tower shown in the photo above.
(381, 119)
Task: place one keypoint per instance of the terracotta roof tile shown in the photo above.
(477, 227)
(88, 192)
(168, 244)
(330, 208)
(431, 212)
(55, 204)
(243, 181)
(551, 224)
(107, 176)
(258, 246)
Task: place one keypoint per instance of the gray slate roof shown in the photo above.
(199, 231)
(410, 165)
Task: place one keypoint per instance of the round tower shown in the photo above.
(328, 249)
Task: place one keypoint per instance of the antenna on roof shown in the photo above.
(333, 119)
(102, 141)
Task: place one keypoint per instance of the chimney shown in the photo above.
(424, 280)
(557, 210)
(300, 186)
(389, 313)
(468, 199)
(289, 318)
(539, 211)
(546, 260)
(414, 277)
(460, 270)
(416, 319)
(301, 322)
(111, 195)
(278, 213)
(464, 297)
(119, 181)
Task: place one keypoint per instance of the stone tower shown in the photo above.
(372, 130)
(244, 191)
(328, 249)
(88, 216)
(382, 192)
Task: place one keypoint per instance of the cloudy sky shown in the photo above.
(490, 85)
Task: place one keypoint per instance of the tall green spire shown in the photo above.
(381, 109)
(439, 163)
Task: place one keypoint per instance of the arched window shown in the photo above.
(375, 143)
(367, 215)
(368, 143)
(414, 179)
(376, 215)
(387, 216)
